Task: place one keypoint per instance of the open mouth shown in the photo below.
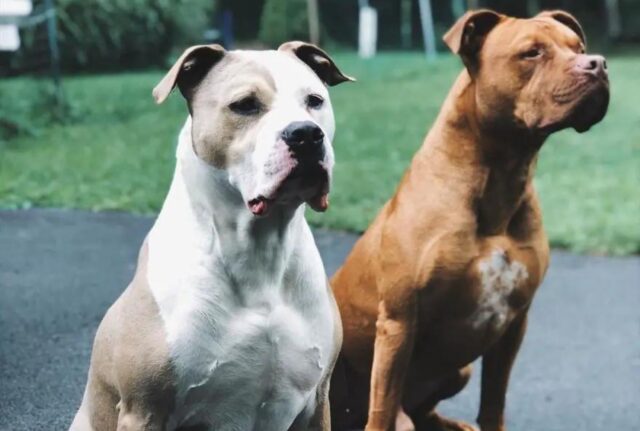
(308, 184)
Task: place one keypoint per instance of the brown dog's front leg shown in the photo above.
(496, 367)
(395, 330)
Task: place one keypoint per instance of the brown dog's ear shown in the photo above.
(467, 35)
(318, 60)
(188, 71)
(566, 19)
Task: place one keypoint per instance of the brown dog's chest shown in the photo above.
(468, 305)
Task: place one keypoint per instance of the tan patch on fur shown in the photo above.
(219, 135)
(131, 379)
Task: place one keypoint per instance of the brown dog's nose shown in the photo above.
(303, 136)
(593, 64)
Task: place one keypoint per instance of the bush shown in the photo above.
(284, 20)
(99, 35)
(28, 105)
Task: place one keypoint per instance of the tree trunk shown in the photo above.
(314, 22)
(428, 30)
(614, 22)
(405, 25)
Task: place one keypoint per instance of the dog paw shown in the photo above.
(441, 423)
(403, 422)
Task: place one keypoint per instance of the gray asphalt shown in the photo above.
(579, 368)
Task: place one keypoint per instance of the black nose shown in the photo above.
(595, 64)
(301, 135)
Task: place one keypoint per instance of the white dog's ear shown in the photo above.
(566, 19)
(318, 60)
(467, 35)
(188, 71)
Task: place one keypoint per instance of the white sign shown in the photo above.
(9, 36)
(368, 32)
(15, 7)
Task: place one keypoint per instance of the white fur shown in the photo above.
(261, 173)
(248, 316)
(499, 279)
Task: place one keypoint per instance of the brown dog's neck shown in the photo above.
(494, 163)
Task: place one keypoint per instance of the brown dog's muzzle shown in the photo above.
(594, 65)
(587, 94)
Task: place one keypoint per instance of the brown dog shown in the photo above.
(447, 271)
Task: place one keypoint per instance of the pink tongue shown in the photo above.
(258, 206)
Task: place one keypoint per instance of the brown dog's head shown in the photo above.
(532, 73)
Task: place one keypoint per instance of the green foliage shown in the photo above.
(29, 106)
(119, 34)
(119, 155)
(284, 20)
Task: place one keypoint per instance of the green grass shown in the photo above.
(119, 152)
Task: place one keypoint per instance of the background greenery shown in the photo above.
(339, 18)
(116, 150)
(106, 35)
(101, 35)
(283, 20)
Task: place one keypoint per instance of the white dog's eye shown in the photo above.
(249, 105)
(314, 101)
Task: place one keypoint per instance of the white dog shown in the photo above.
(229, 323)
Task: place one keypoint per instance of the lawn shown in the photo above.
(117, 152)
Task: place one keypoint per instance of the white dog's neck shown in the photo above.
(205, 224)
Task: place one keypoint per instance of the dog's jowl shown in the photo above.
(447, 271)
(229, 323)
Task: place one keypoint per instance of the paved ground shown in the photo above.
(579, 368)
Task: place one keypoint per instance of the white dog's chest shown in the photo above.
(247, 368)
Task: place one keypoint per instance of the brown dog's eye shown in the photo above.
(532, 53)
(314, 101)
(249, 105)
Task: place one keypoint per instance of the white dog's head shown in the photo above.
(263, 116)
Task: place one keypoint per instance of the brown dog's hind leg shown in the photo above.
(425, 418)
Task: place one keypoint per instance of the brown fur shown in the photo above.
(407, 290)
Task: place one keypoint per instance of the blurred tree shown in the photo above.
(339, 22)
(457, 8)
(405, 27)
(284, 20)
(314, 21)
(246, 17)
(614, 23)
(98, 35)
(533, 7)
